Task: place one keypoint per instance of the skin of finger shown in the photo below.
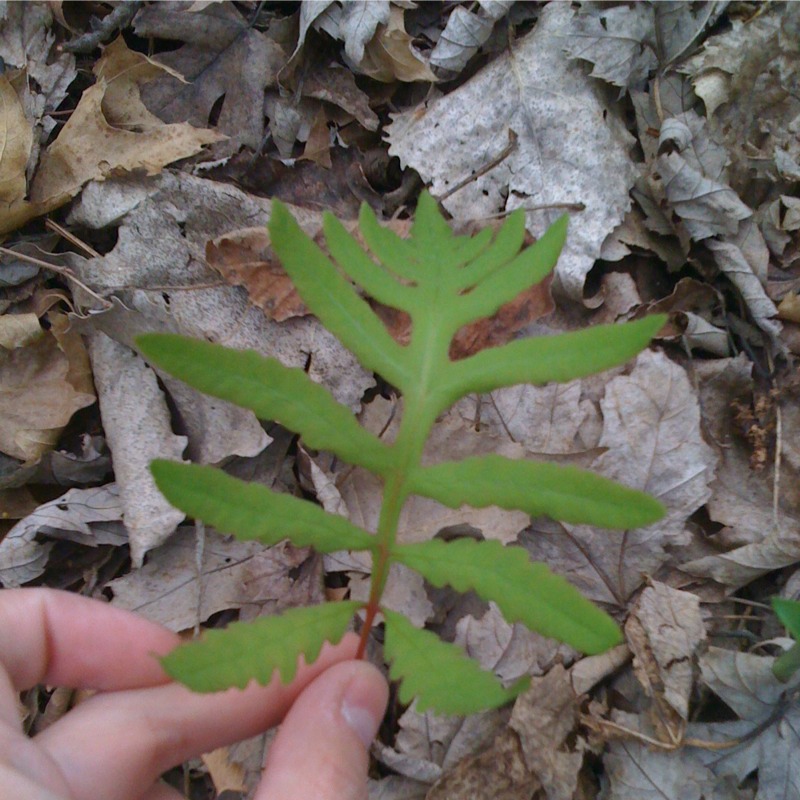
(63, 639)
(162, 791)
(17, 785)
(316, 752)
(116, 745)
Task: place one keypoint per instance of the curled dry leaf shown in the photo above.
(137, 426)
(664, 631)
(110, 129)
(245, 258)
(38, 396)
(88, 516)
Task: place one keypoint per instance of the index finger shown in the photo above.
(63, 639)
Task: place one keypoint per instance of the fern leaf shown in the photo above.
(506, 245)
(440, 675)
(549, 358)
(352, 259)
(271, 390)
(251, 511)
(334, 300)
(537, 487)
(247, 651)
(396, 254)
(523, 590)
(788, 612)
(532, 265)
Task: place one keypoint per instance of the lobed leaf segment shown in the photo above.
(443, 282)
(788, 663)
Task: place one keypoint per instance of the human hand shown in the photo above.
(116, 744)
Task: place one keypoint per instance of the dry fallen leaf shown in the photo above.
(37, 398)
(137, 425)
(112, 130)
(182, 213)
(245, 258)
(571, 147)
(88, 516)
(181, 586)
(664, 630)
(224, 59)
(651, 429)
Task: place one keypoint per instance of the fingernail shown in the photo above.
(357, 713)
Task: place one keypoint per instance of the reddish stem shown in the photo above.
(372, 610)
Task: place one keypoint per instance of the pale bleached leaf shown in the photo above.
(428, 744)
(358, 22)
(617, 41)
(182, 213)
(510, 651)
(87, 516)
(569, 147)
(768, 725)
(464, 33)
(137, 425)
(706, 207)
(177, 590)
(664, 631)
(732, 262)
(651, 427)
(635, 771)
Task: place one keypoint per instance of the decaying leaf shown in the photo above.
(651, 427)
(137, 426)
(509, 651)
(224, 58)
(109, 130)
(664, 631)
(532, 753)
(37, 398)
(245, 258)
(183, 213)
(390, 54)
(464, 34)
(429, 745)
(768, 725)
(569, 148)
(88, 516)
(181, 587)
(757, 537)
(638, 772)
(617, 42)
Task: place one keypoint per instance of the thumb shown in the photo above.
(322, 747)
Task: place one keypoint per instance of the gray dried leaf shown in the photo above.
(652, 432)
(222, 57)
(137, 425)
(509, 651)
(358, 23)
(428, 745)
(463, 35)
(88, 516)
(544, 419)
(664, 631)
(706, 207)
(768, 725)
(732, 262)
(182, 213)
(635, 771)
(570, 147)
(617, 41)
